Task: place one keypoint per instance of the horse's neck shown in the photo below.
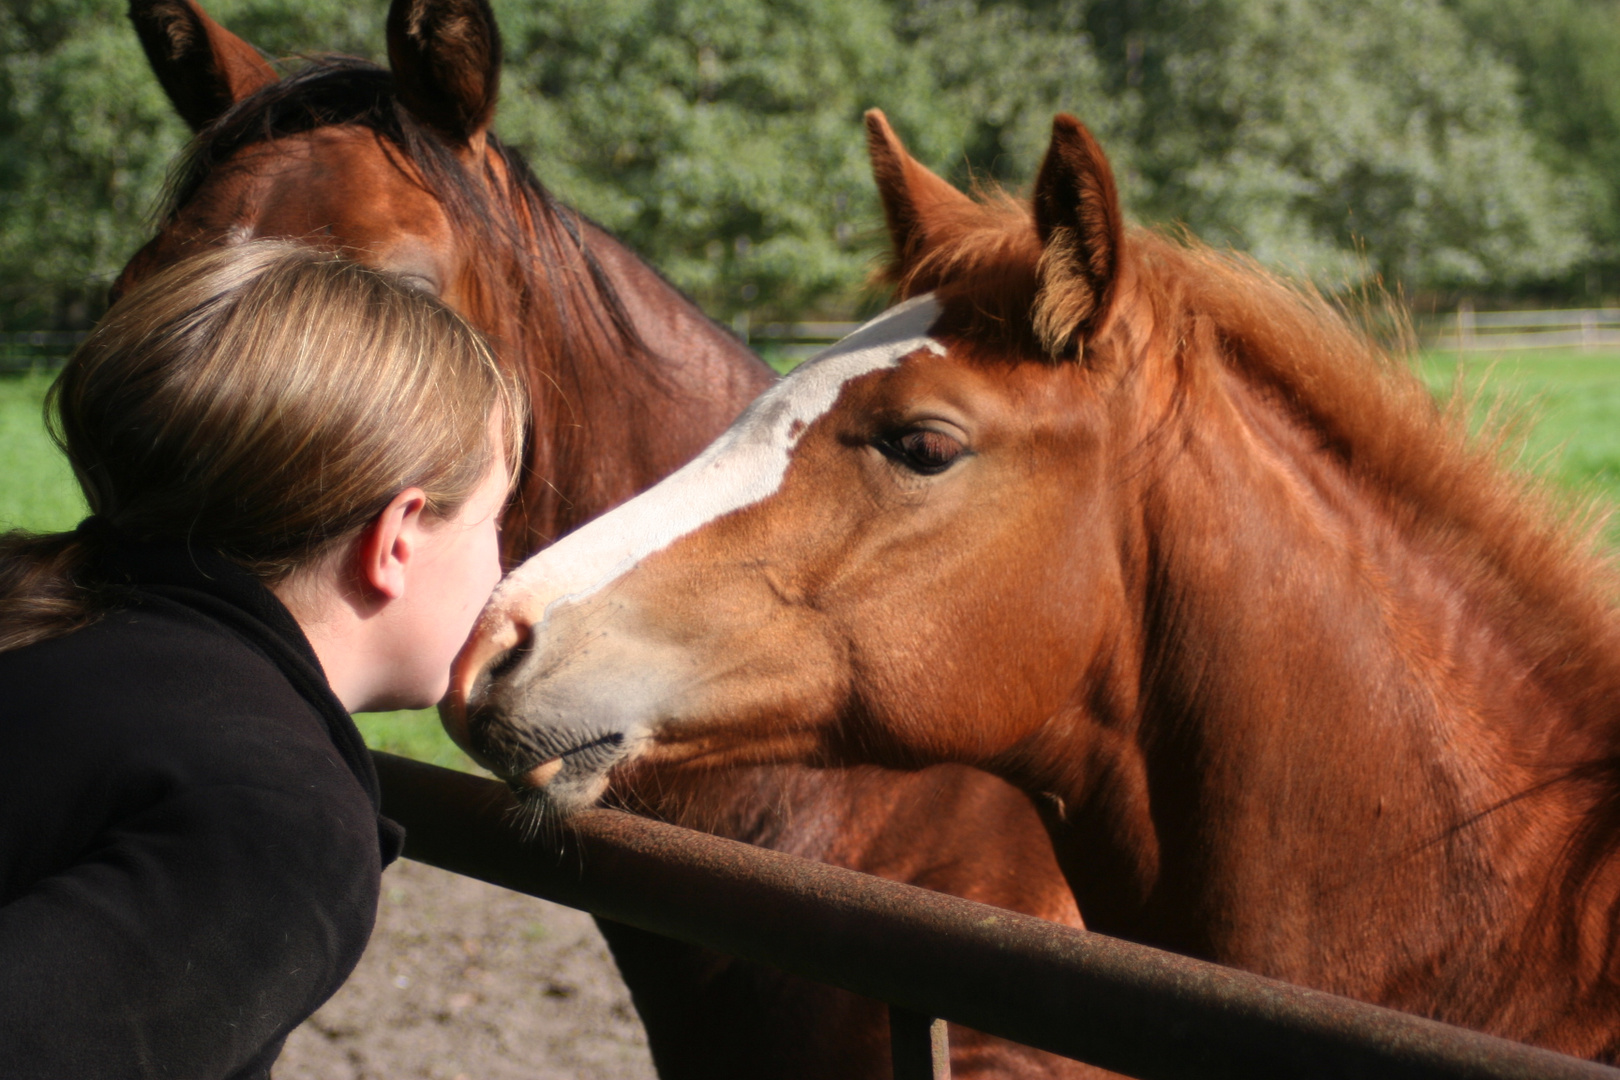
(1330, 739)
(717, 375)
(606, 425)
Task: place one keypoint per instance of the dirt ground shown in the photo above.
(466, 981)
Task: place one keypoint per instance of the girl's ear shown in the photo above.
(203, 67)
(386, 547)
(1082, 230)
(910, 192)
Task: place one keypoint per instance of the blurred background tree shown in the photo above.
(1567, 54)
(1340, 139)
(723, 140)
(85, 138)
(1437, 144)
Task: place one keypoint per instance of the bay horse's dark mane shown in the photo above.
(1523, 555)
(544, 298)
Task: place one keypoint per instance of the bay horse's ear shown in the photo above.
(909, 190)
(446, 57)
(203, 67)
(1081, 228)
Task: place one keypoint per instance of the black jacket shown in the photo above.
(190, 847)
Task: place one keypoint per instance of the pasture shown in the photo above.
(1568, 399)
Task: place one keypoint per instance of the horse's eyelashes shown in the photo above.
(922, 450)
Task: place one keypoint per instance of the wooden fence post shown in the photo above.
(919, 1046)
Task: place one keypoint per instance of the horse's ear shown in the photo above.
(911, 193)
(203, 67)
(446, 57)
(1081, 227)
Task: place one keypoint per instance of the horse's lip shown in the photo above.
(541, 775)
(538, 775)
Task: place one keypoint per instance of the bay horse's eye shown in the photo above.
(922, 450)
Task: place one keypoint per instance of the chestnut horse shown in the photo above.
(629, 380)
(1304, 682)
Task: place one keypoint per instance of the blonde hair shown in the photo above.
(265, 400)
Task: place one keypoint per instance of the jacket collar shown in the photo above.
(205, 580)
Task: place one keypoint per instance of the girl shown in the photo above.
(295, 466)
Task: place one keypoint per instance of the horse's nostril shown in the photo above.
(503, 664)
(483, 679)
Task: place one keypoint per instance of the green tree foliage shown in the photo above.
(85, 138)
(1336, 138)
(1567, 53)
(723, 139)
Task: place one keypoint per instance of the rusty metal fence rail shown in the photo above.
(1126, 1007)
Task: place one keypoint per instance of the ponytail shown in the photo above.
(40, 591)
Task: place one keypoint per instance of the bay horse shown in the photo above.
(1304, 681)
(628, 379)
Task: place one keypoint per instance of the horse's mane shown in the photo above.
(1527, 556)
(545, 299)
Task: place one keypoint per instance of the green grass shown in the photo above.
(415, 734)
(1571, 399)
(37, 492)
(1574, 398)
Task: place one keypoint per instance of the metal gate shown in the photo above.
(1130, 1008)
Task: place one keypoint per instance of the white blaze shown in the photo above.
(742, 467)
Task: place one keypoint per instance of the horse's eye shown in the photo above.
(922, 450)
(420, 282)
